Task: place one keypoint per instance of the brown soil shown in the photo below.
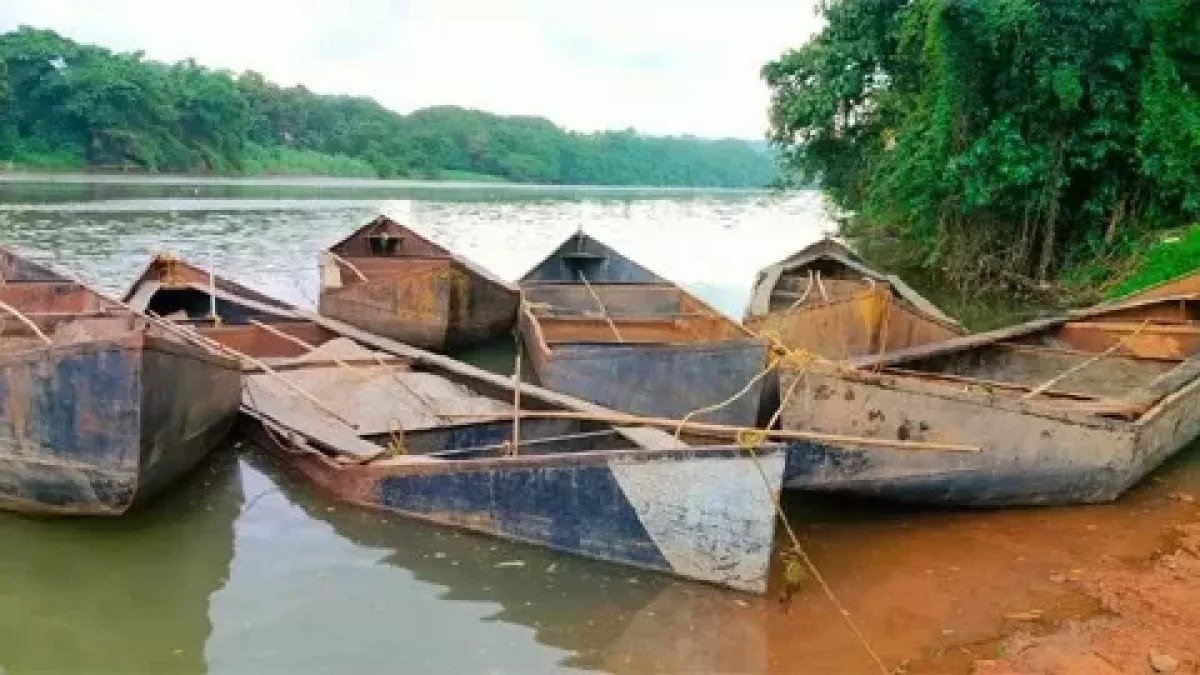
(1152, 620)
(1088, 589)
(1040, 590)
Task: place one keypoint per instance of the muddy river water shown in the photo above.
(242, 570)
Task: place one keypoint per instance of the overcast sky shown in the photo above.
(659, 66)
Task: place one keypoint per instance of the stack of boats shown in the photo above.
(641, 440)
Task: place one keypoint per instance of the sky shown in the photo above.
(658, 66)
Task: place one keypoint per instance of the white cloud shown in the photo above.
(659, 66)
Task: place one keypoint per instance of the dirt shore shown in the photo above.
(1089, 589)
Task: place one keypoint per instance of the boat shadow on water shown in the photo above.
(119, 595)
(604, 616)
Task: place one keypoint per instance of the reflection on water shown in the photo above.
(711, 242)
(242, 570)
(433, 599)
(124, 595)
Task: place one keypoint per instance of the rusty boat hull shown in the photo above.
(99, 412)
(413, 290)
(1074, 409)
(385, 426)
(601, 327)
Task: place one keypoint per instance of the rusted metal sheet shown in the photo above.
(1110, 416)
(98, 411)
(389, 280)
(601, 327)
(824, 299)
(443, 452)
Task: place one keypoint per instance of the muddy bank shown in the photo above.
(1000, 591)
(1151, 620)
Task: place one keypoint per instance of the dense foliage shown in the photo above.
(65, 105)
(1000, 139)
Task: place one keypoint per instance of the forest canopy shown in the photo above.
(65, 105)
(1002, 140)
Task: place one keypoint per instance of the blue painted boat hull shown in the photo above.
(703, 513)
(94, 427)
(659, 380)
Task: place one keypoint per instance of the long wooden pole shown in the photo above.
(516, 433)
(730, 430)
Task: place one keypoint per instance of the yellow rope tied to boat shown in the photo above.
(395, 446)
(750, 439)
(797, 565)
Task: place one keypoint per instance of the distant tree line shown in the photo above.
(66, 105)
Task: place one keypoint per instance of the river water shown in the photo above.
(242, 570)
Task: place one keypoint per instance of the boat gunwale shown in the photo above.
(975, 340)
(797, 311)
(423, 464)
(447, 254)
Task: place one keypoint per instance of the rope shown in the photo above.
(738, 394)
(750, 440)
(192, 336)
(28, 323)
(353, 268)
(600, 304)
(804, 295)
(808, 563)
(1080, 366)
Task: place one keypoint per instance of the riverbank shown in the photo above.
(1153, 258)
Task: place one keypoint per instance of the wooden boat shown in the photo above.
(384, 425)
(1071, 409)
(826, 300)
(601, 327)
(387, 279)
(99, 407)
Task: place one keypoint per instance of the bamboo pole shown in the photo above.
(516, 433)
(726, 429)
(27, 321)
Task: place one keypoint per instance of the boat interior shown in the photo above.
(633, 313)
(822, 280)
(64, 311)
(1113, 362)
(386, 248)
(397, 406)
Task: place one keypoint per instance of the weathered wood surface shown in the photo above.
(416, 292)
(698, 513)
(825, 300)
(600, 263)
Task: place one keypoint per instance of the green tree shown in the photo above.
(1002, 138)
(71, 105)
